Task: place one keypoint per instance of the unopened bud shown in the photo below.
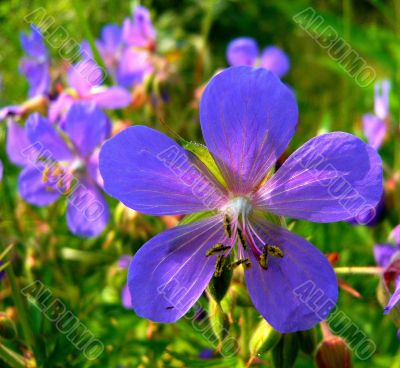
(284, 354)
(308, 341)
(219, 320)
(333, 352)
(7, 327)
(264, 338)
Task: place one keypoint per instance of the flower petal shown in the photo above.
(32, 188)
(374, 129)
(18, 144)
(242, 51)
(170, 272)
(111, 98)
(85, 75)
(149, 172)
(43, 134)
(87, 211)
(87, 126)
(296, 291)
(383, 253)
(275, 59)
(332, 177)
(248, 116)
(394, 299)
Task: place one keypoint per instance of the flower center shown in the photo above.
(238, 206)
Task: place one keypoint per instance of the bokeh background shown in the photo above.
(193, 36)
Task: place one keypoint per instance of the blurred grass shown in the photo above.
(200, 30)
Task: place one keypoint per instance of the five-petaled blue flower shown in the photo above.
(64, 162)
(248, 117)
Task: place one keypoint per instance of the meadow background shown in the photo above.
(193, 36)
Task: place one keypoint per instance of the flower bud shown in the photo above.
(333, 352)
(308, 341)
(284, 354)
(219, 321)
(264, 338)
(7, 327)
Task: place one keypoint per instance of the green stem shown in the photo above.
(20, 308)
(245, 332)
(369, 270)
(11, 358)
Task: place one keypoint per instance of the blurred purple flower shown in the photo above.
(139, 31)
(387, 256)
(375, 125)
(244, 51)
(35, 65)
(1, 170)
(64, 163)
(110, 45)
(85, 84)
(248, 117)
(124, 262)
(2, 273)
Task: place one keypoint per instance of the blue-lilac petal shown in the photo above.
(139, 32)
(109, 44)
(395, 235)
(111, 97)
(85, 75)
(87, 210)
(394, 299)
(248, 117)
(381, 100)
(332, 177)
(87, 126)
(383, 254)
(375, 130)
(150, 173)
(170, 272)
(126, 298)
(44, 134)
(133, 67)
(275, 59)
(33, 189)
(242, 51)
(1, 170)
(296, 291)
(18, 145)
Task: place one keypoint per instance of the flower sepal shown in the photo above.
(284, 354)
(264, 338)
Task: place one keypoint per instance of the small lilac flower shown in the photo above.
(375, 125)
(1, 170)
(244, 51)
(65, 163)
(248, 117)
(387, 256)
(35, 66)
(139, 32)
(85, 84)
(109, 45)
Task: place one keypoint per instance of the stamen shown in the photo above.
(217, 248)
(274, 251)
(219, 266)
(264, 261)
(45, 174)
(56, 172)
(245, 262)
(241, 238)
(227, 225)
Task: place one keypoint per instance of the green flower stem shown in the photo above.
(26, 328)
(11, 358)
(369, 270)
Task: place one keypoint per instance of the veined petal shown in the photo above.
(296, 291)
(248, 116)
(85, 75)
(87, 126)
(43, 134)
(170, 272)
(33, 189)
(242, 51)
(332, 177)
(149, 172)
(87, 211)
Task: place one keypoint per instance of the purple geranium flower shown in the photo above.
(126, 298)
(109, 46)
(35, 67)
(387, 256)
(375, 125)
(248, 117)
(1, 170)
(65, 163)
(244, 51)
(85, 84)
